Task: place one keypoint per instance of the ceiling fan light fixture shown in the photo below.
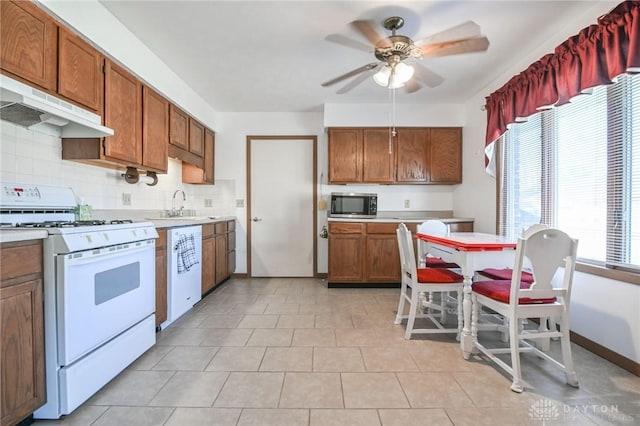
(382, 76)
(394, 76)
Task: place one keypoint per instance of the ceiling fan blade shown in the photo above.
(412, 86)
(463, 31)
(455, 47)
(351, 74)
(367, 29)
(359, 79)
(346, 41)
(426, 76)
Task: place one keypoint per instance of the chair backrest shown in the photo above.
(407, 255)
(546, 251)
(433, 227)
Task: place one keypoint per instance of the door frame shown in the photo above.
(312, 138)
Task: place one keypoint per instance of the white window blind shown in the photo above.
(577, 168)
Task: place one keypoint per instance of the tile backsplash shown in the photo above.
(30, 157)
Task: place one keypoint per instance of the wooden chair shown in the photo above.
(428, 280)
(550, 253)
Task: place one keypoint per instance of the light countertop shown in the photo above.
(13, 235)
(410, 219)
(172, 222)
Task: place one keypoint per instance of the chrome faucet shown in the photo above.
(173, 212)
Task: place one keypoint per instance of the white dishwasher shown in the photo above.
(184, 271)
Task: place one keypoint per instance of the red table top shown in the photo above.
(471, 241)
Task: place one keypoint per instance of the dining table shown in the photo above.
(472, 251)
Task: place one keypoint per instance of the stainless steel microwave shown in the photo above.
(353, 205)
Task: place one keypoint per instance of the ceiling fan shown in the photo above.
(398, 55)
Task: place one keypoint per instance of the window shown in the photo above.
(577, 168)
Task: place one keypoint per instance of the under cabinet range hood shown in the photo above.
(36, 110)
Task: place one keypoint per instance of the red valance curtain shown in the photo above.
(591, 58)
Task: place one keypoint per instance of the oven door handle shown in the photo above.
(92, 255)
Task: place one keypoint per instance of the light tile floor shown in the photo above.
(293, 352)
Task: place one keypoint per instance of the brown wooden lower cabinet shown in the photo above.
(208, 257)
(362, 253)
(22, 331)
(161, 277)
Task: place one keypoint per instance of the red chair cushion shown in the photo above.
(500, 290)
(438, 275)
(438, 262)
(505, 274)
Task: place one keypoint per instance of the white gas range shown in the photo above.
(99, 292)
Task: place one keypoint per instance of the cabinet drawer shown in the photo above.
(208, 229)
(345, 228)
(382, 228)
(461, 227)
(221, 227)
(161, 241)
(20, 259)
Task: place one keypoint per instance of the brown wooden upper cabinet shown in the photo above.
(29, 43)
(197, 175)
(196, 137)
(360, 155)
(123, 113)
(178, 128)
(377, 155)
(155, 130)
(419, 155)
(446, 155)
(345, 155)
(80, 71)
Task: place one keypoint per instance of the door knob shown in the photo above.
(257, 219)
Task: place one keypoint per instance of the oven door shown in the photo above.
(101, 293)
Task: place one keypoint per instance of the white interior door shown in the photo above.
(282, 207)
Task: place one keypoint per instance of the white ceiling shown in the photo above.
(272, 56)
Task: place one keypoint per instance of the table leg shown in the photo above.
(466, 343)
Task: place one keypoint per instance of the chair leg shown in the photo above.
(543, 344)
(403, 293)
(514, 344)
(412, 314)
(460, 317)
(567, 358)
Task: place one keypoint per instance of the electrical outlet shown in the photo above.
(208, 202)
(240, 203)
(126, 199)
(407, 204)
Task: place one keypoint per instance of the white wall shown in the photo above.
(602, 310)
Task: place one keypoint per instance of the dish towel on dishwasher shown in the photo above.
(186, 248)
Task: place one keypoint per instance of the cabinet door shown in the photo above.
(80, 75)
(123, 113)
(382, 258)
(22, 367)
(346, 254)
(161, 277)
(155, 131)
(196, 137)
(29, 43)
(178, 128)
(231, 249)
(412, 155)
(377, 155)
(208, 264)
(446, 155)
(221, 258)
(209, 156)
(345, 155)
